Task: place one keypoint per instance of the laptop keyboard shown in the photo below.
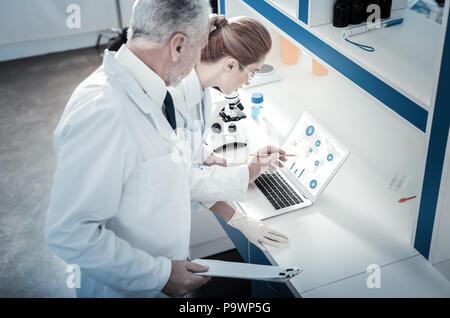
(277, 191)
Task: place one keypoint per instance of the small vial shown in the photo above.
(257, 106)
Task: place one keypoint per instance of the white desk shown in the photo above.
(350, 227)
(357, 221)
(413, 277)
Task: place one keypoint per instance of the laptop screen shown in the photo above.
(319, 156)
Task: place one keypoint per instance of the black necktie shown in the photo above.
(170, 110)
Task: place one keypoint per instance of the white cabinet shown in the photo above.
(207, 236)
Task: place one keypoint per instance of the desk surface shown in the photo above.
(350, 227)
(355, 223)
(413, 277)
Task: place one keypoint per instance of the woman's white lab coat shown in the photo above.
(120, 205)
(194, 107)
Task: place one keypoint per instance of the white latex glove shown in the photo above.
(256, 231)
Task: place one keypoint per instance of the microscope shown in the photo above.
(227, 130)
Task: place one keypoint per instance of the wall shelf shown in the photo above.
(288, 7)
(400, 73)
(405, 55)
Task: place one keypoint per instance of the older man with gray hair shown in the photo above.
(120, 207)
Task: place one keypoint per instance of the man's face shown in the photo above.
(191, 57)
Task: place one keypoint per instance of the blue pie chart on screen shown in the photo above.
(313, 184)
(309, 130)
(330, 157)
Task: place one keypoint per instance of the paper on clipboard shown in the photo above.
(247, 271)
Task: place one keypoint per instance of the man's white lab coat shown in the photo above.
(120, 204)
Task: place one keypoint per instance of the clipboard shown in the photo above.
(248, 271)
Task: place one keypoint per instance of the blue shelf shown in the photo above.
(303, 6)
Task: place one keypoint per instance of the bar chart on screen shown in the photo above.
(317, 153)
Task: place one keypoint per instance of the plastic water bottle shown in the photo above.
(257, 106)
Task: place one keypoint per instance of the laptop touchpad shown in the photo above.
(252, 193)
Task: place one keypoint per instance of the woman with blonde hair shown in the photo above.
(236, 49)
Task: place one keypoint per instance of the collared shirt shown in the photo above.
(152, 84)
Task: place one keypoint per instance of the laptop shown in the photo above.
(303, 178)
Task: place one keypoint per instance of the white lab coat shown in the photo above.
(194, 109)
(119, 206)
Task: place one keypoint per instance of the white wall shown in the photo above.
(32, 27)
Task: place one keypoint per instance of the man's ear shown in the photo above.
(177, 45)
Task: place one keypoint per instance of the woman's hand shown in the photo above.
(256, 231)
(213, 159)
(267, 157)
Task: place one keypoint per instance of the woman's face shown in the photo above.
(236, 76)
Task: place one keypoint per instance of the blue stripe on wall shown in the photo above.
(403, 106)
(436, 155)
(222, 7)
(303, 7)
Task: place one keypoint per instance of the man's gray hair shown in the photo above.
(157, 20)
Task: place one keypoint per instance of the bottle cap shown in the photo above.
(257, 98)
